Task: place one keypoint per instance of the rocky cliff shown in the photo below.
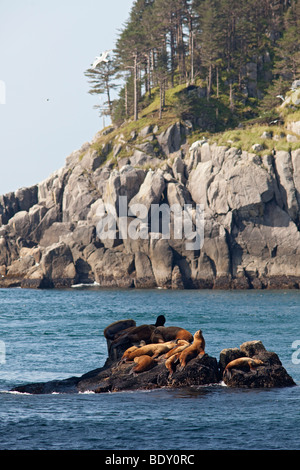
(251, 201)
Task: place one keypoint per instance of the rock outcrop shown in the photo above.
(270, 373)
(51, 234)
(117, 375)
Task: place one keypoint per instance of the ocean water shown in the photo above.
(56, 334)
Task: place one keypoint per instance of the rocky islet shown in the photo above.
(202, 370)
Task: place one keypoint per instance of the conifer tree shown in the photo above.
(209, 39)
(101, 80)
(287, 64)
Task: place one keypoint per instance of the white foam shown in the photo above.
(94, 284)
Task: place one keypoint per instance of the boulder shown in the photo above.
(285, 170)
(126, 182)
(179, 169)
(199, 181)
(171, 139)
(22, 200)
(79, 194)
(294, 126)
(92, 159)
(115, 269)
(161, 256)
(296, 172)
(55, 232)
(8, 207)
(177, 280)
(270, 374)
(178, 194)
(144, 272)
(50, 191)
(57, 265)
(151, 189)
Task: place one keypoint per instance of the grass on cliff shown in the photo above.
(211, 119)
(245, 138)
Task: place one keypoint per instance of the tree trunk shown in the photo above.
(160, 99)
(209, 82)
(172, 55)
(126, 100)
(135, 80)
(192, 57)
(108, 98)
(180, 48)
(149, 73)
(191, 48)
(231, 98)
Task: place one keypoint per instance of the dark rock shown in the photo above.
(119, 377)
(270, 374)
(116, 375)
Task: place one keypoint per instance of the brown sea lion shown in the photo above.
(143, 363)
(162, 334)
(197, 347)
(127, 353)
(181, 345)
(118, 328)
(242, 362)
(153, 350)
(135, 335)
(171, 363)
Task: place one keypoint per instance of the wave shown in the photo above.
(84, 285)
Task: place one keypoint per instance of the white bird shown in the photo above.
(281, 97)
(102, 58)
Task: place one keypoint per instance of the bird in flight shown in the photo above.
(102, 58)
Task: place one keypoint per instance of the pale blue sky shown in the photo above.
(45, 47)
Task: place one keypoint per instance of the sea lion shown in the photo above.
(197, 347)
(134, 335)
(185, 353)
(153, 350)
(171, 363)
(117, 328)
(162, 334)
(242, 362)
(160, 321)
(125, 331)
(181, 345)
(127, 353)
(143, 363)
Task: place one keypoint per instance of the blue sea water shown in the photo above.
(56, 334)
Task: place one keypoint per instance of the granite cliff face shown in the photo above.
(49, 236)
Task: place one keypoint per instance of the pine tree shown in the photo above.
(132, 46)
(287, 64)
(102, 82)
(209, 40)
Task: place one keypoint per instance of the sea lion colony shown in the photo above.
(156, 343)
(153, 343)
